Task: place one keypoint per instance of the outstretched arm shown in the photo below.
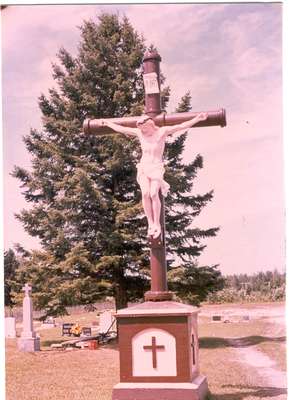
(169, 130)
(119, 128)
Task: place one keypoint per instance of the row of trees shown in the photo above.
(85, 204)
(261, 281)
(261, 286)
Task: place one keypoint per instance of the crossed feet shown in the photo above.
(154, 231)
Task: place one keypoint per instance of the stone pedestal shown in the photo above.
(29, 344)
(28, 340)
(10, 327)
(159, 353)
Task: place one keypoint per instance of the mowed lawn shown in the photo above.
(91, 374)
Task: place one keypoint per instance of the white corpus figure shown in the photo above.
(150, 169)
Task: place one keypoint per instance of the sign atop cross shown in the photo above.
(26, 288)
(154, 347)
(152, 130)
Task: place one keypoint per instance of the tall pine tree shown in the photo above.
(86, 205)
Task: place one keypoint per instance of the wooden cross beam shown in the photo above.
(215, 118)
(151, 74)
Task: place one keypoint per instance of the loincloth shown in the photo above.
(153, 171)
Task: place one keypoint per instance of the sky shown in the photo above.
(229, 56)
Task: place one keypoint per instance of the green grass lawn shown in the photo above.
(91, 374)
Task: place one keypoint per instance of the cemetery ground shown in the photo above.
(243, 358)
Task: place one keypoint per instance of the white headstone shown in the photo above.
(28, 340)
(107, 322)
(10, 327)
(154, 353)
(49, 322)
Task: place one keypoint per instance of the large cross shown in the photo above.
(151, 74)
(154, 347)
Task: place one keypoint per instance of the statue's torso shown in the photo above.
(152, 147)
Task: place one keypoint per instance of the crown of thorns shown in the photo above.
(143, 119)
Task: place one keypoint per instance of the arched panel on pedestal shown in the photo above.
(154, 353)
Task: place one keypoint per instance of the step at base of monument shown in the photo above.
(196, 390)
(29, 344)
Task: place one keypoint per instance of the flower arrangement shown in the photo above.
(76, 330)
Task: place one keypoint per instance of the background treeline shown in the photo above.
(261, 286)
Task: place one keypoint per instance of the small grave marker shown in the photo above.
(86, 331)
(10, 327)
(66, 329)
(49, 322)
(217, 318)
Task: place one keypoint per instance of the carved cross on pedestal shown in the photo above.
(26, 288)
(193, 347)
(154, 347)
(151, 73)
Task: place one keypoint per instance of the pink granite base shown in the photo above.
(196, 390)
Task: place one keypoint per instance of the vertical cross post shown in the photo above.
(159, 288)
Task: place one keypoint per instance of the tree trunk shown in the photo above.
(120, 295)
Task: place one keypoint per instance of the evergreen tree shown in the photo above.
(86, 204)
(11, 265)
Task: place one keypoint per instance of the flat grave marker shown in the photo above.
(217, 318)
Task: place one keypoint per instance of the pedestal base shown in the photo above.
(196, 390)
(29, 344)
(158, 296)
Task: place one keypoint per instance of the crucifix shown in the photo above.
(152, 130)
(154, 347)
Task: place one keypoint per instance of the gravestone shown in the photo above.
(107, 322)
(86, 331)
(66, 329)
(49, 322)
(28, 340)
(10, 327)
(216, 318)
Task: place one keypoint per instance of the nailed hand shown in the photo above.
(202, 116)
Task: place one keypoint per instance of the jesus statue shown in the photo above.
(150, 169)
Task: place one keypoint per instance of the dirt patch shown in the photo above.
(264, 366)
